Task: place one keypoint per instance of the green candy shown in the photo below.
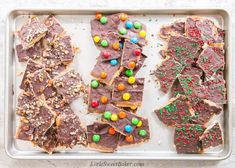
(134, 121)
(96, 138)
(123, 31)
(104, 43)
(137, 25)
(94, 84)
(129, 72)
(107, 115)
(103, 20)
(142, 133)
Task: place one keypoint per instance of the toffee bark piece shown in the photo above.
(25, 130)
(204, 110)
(70, 85)
(32, 66)
(101, 95)
(54, 28)
(210, 62)
(167, 73)
(31, 32)
(69, 130)
(55, 70)
(212, 137)
(127, 123)
(110, 71)
(183, 49)
(34, 52)
(107, 142)
(177, 27)
(176, 111)
(133, 91)
(186, 138)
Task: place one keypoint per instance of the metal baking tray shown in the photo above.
(76, 22)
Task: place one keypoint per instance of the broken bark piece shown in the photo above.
(70, 85)
(99, 97)
(32, 66)
(106, 71)
(102, 137)
(128, 92)
(177, 89)
(55, 70)
(190, 70)
(186, 138)
(127, 123)
(70, 131)
(183, 49)
(167, 73)
(212, 137)
(204, 110)
(25, 130)
(176, 111)
(177, 27)
(34, 52)
(210, 62)
(54, 28)
(31, 32)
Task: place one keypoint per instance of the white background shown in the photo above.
(6, 6)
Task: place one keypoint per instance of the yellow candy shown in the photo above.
(114, 117)
(126, 96)
(131, 80)
(96, 39)
(133, 107)
(142, 33)
(139, 124)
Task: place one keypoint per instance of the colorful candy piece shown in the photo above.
(123, 16)
(132, 94)
(167, 72)
(186, 138)
(102, 137)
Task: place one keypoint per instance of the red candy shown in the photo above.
(137, 52)
(94, 103)
(106, 54)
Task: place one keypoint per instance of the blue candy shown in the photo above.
(121, 45)
(128, 128)
(113, 62)
(134, 40)
(129, 24)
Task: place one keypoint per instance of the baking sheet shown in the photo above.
(77, 24)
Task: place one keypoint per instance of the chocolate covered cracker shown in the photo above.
(25, 130)
(176, 111)
(102, 137)
(167, 73)
(31, 32)
(186, 138)
(177, 27)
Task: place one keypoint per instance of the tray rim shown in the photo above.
(223, 12)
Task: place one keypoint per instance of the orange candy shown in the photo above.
(121, 87)
(112, 131)
(131, 65)
(104, 99)
(129, 138)
(103, 75)
(116, 46)
(123, 17)
(122, 115)
(98, 16)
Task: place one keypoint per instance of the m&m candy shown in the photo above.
(103, 75)
(131, 80)
(114, 117)
(121, 45)
(128, 128)
(96, 138)
(112, 131)
(129, 72)
(116, 46)
(129, 24)
(142, 33)
(134, 121)
(129, 138)
(137, 25)
(137, 52)
(106, 54)
(131, 65)
(142, 133)
(126, 96)
(107, 115)
(96, 39)
(134, 40)
(123, 17)
(94, 103)
(98, 16)
(103, 99)
(103, 20)
(122, 115)
(94, 84)
(104, 43)
(121, 87)
(133, 107)
(122, 31)
(139, 124)
(113, 62)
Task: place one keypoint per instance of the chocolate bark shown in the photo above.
(186, 138)
(25, 130)
(177, 27)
